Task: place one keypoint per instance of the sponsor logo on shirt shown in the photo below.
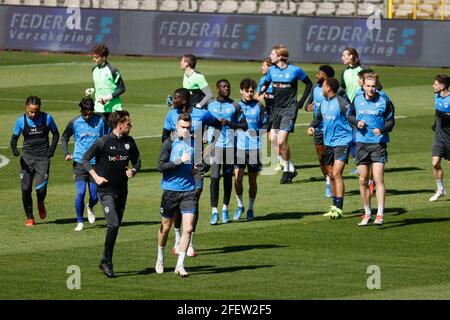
(118, 157)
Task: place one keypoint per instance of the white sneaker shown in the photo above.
(191, 252)
(159, 267)
(438, 194)
(79, 226)
(378, 220)
(176, 249)
(364, 221)
(179, 270)
(91, 214)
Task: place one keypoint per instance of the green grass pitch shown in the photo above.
(288, 252)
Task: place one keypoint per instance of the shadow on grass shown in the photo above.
(288, 215)
(401, 169)
(71, 221)
(391, 211)
(103, 225)
(407, 222)
(393, 192)
(193, 271)
(230, 249)
(148, 170)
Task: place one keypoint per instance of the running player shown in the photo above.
(441, 144)
(248, 148)
(195, 82)
(313, 105)
(221, 147)
(35, 126)
(337, 136)
(176, 162)
(86, 129)
(113, 153)
(373, 116)
(284, 78)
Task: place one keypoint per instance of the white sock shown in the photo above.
(161, 253)
(380, 211)
(251, 203)
(367, 211)
(177, 236)
(328, 179)
(440, 185)
(215, 210)
(369, 182)
(181, 257)
(224, 207)
(286, 165)
(240, 201)
(191, 243)
(291, 166)
(279, 158)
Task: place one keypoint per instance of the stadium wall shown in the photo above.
(236, 37)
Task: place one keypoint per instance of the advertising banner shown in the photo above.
(230, 36)
(59, 29)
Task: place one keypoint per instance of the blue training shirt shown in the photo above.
(375, 113)
(84, 133)
(269, 89)
(227, 110)
(442, 103)
(179, 176)
(199, 118)
(317, 99)
(284, 84)
(33, 123)
(333, 113)
(255, 116)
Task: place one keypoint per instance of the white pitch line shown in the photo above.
(76, 102)
(3, 161)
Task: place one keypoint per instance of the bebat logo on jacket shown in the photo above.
(118, 157)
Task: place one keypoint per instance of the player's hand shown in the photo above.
(69, 157)
(130, 172)
(360, 124)
(186, 157)
(89, 92)
(376, 132)
(309, 107)
(100, 180)
(310, 131)
(105, 99)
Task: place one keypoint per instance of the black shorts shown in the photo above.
(173, 202)
(332, 154)
(284, 118)
(34, 169)
(441, 150)
(318, 137)
(80, 173)
(368, 153)
(269, 109)
(248, 158)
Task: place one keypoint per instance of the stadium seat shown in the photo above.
(425, 11)
(149, 5)
(404, 10)
(130, 5)
(376, 1)
(188, 5)
(366, 9)
(208, 6)
(50, 3)
(287, 7)
(31, 2)
(89, 3)
(12, 2)
(306, 8)
(247, 6)
(345, 9)
(228, 6)
(326, 9)
(169, 5)
(72, 3)
(110, 4)
(267, 7)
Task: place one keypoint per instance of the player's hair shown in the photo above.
(100, 50)
(185, 93)
(86, 104)
(355, 57)
(247, 84)
(220, 81)
(444, 79)
(364, 72)
(282, 51)
(328, 70)
(118, 117)
(333, 84)
(191, 60)
(33, 100)
(184, 117)
(268, 61)
(371, 75)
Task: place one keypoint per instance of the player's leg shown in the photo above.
(378, 176)
(26, 184)
(169, 206)
(363, 170)
(438, 174)
(42, 168)
(80, 186)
